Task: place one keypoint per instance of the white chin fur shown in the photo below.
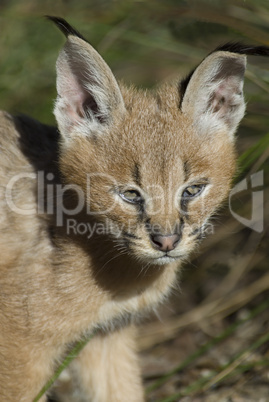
(162, 260)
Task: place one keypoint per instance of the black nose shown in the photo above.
(165, 243)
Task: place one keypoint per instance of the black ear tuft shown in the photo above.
(241, 48)
(66, 28)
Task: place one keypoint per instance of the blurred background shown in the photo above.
(211, 341)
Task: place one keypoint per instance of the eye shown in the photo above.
(132, 196)
(193, 191)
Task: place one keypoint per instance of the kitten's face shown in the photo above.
(154, 180)
(160, 165)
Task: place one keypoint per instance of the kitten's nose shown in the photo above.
(165, 243)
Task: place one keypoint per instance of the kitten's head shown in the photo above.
(153, 166)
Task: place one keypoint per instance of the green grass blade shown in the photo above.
(68, 359)
(246, 160)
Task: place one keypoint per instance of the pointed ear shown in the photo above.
(89, 99)
(213, 94)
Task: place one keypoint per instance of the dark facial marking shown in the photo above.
(184, 207)
(129, 235)
(195, 232)
(136, 174)
(187, 170)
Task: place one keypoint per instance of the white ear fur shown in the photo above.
(214, 95)
(89, 97)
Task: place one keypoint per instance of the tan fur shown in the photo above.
(101, 353)
(57, 285)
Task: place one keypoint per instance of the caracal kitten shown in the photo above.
(98, 215)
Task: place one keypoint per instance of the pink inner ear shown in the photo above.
(74, 96)
(73, 114)
(225, 96)
(219, 98)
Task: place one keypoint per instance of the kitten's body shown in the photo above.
(59, 282)
(57, 288)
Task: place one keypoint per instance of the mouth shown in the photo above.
(153, 257)
(166, 259)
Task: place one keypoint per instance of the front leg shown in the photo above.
(106, 370)
(25, 367)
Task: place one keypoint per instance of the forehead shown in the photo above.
(151, 137)
(157, 133)
(157, 143)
